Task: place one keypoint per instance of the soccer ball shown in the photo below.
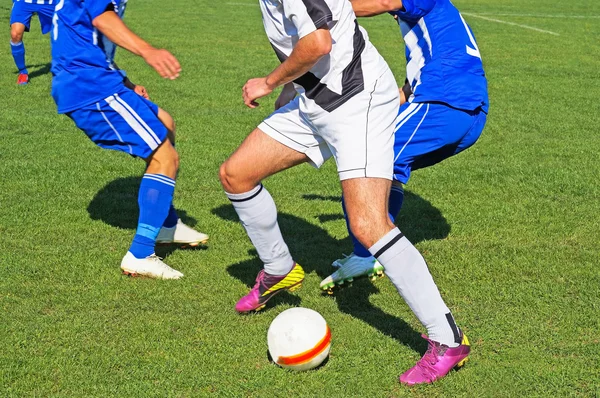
(299, 339)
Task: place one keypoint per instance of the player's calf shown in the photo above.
(18, 51)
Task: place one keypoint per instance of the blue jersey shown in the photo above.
(81, 75)
(443, 60)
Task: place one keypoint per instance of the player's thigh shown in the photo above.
(366, 202)
(282, 140)
(360, 132)
(122, 122)
(168, 121)
(258, 157)
(45, 14)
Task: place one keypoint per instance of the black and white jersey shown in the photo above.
(337, 77)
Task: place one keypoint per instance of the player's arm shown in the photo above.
(407, 9)
(369, 8)
(111, 26)
(307, 52)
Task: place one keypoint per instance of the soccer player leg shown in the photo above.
(126, 123)
(366, 202)
(20, 19)
(282, 141)
(173, 230)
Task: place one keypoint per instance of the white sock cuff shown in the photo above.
(16, 44)
(388, 244)
(238, 199)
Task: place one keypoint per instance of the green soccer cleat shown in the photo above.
(350, 268)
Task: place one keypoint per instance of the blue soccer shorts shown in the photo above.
(123, 122)
(22, 13)
(427, 133)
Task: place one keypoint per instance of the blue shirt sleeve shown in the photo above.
(415, 9)
(98, 7)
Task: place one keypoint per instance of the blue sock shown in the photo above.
(172, 218)
(395, 204)
(396, 200)
(18, 53)
(154, 198)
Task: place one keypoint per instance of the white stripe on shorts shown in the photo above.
(113, 127)
(407, 114)
(139, 119)
(414, 132)
(133, 123)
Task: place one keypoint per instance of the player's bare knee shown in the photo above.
(226, 178)
(16, 36)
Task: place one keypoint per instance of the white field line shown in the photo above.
(510, 23)
(464, 13)
(561, 16)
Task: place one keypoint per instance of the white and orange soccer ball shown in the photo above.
(299, 339)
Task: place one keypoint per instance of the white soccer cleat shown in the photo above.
(181, 234)
(352, 267)
(151, 266)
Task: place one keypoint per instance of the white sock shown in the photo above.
(258, 215)
(408, 271)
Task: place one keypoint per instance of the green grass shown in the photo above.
(509, 229)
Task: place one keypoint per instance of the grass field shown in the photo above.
(510, 229)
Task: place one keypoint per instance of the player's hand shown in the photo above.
(402, 96)
(163, 62)
(141, 91)
(287, 95)
(255, 89)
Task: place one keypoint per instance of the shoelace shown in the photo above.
(426, 364)
(154, 257)
(259, 279)
(343, 260)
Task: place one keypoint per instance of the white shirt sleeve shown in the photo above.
(308, 15)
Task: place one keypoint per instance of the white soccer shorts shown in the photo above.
(359, 134)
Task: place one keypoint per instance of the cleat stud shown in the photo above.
(260, 307)
(462, 363)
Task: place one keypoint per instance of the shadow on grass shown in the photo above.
(116, 205)
(313, 248)
(42, 69)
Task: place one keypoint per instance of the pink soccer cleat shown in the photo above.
(437, 362)
(268, 286)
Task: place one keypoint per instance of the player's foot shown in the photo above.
(181, 234)
(437, 362)
(268, 286)
(151, 266)
(352, 267)
(23, 79)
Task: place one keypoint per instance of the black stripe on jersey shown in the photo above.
(319, 12)
(352, 78)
